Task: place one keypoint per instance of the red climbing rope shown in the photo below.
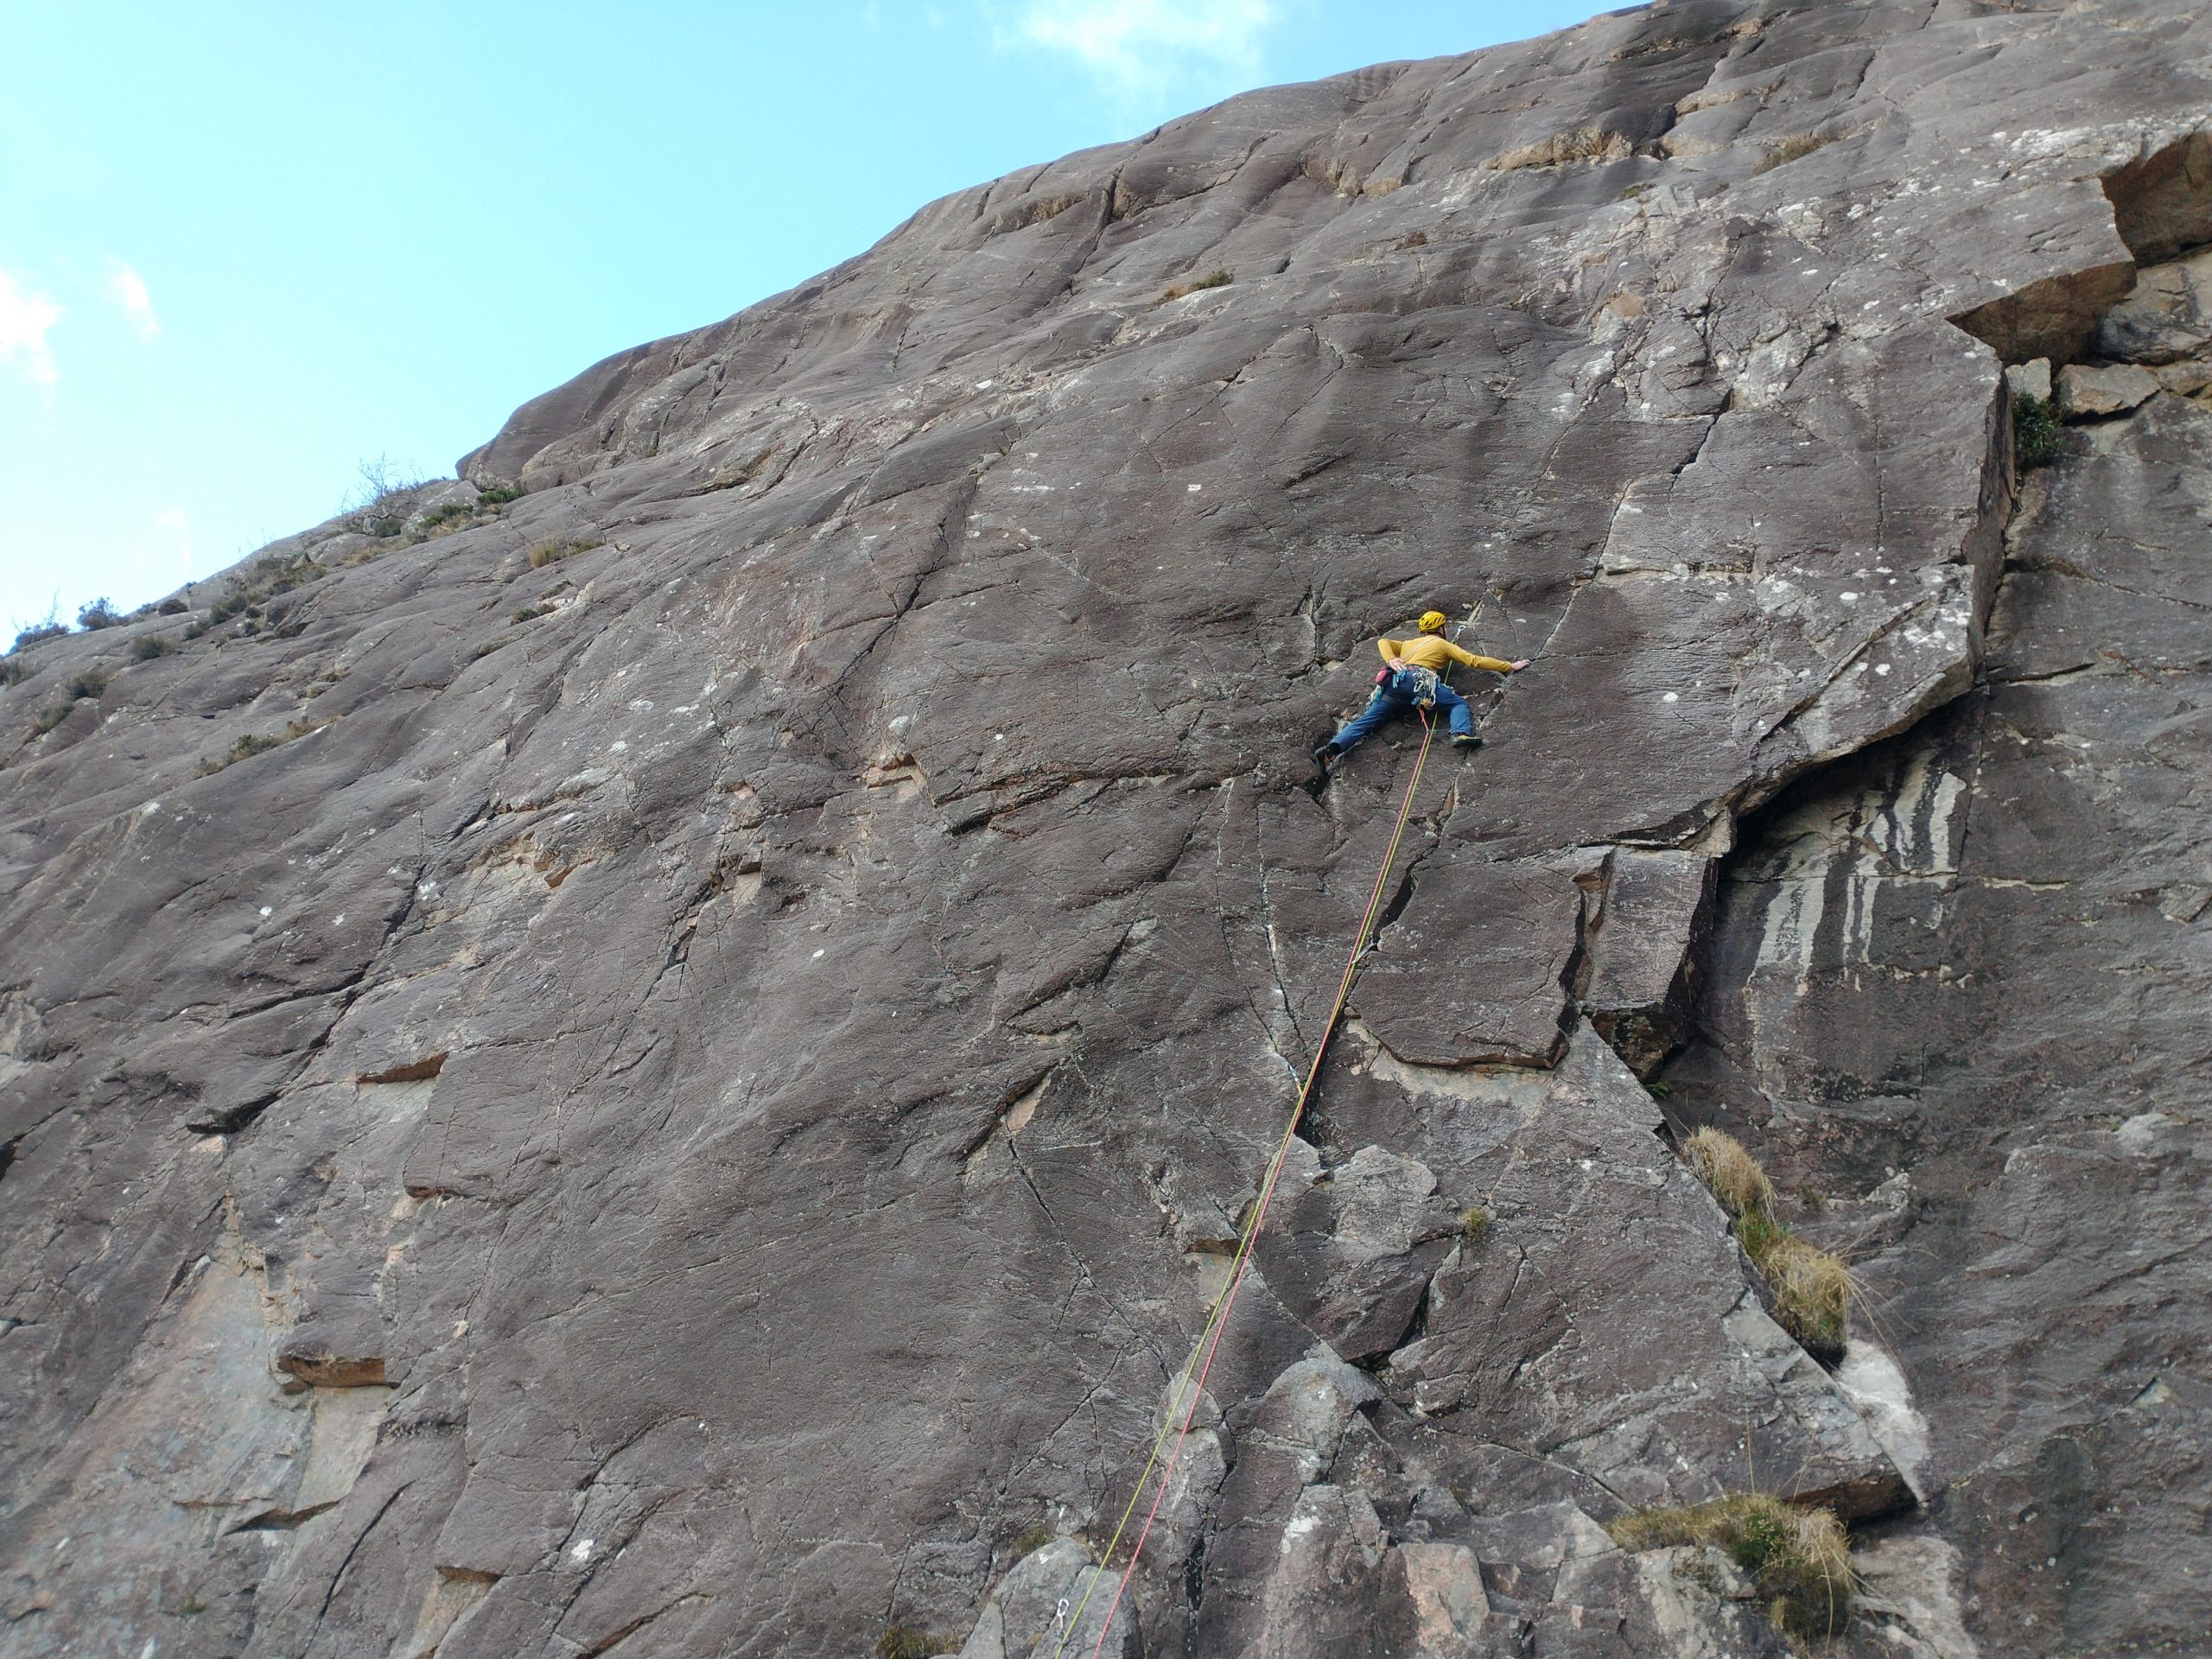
(1209, 1342)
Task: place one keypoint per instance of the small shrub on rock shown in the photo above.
(1788, 150)
(146, 646)
(2036, 432)
(547, 553)
(255, 743)
(38, 632)
(1799, 1557)
(1473, 1224)
(96, 614)
(1212, 279)
(452, 516)
(499, 495)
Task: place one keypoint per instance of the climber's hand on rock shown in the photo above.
(1517, 667)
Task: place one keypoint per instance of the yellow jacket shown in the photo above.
(1433, 651)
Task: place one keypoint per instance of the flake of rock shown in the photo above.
(1472, 969)
(1024, 1615)
(1605, 1358)
(1352, 1255)
(1642, 953)
(2169, 314)
(2030, 380)
(2086, 391)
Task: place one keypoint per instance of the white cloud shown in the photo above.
(128, 289)
(25, 316)
(1144, 44)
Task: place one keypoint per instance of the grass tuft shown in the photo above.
(1032, 1541)
(255, 743)
(1800, 1557)
(547, 553)
(146, 646)
(1212, 279)
(1473, 1224)
(2036, 432)
(1812, 1288)
(1812, 1293)
(1732, 1173)
(908, 1642)
(499, 495)
(1788, 150)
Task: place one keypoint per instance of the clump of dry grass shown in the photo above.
(547, 553)
(1212, 279)
(1474, 1223)
(1799, 1557)
(1733, 1174)
(1788, 150)
(1812, 1286)
(908, 1642)
(1812, 1293)
(255, 743)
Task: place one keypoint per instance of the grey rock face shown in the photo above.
(674, 1066)
(1976, 953)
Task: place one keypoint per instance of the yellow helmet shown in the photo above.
(1432, 621)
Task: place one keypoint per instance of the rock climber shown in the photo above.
(1413, 679)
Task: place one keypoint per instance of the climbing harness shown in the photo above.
(1209, 1342)
(1420, 683)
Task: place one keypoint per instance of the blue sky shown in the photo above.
(244, 247)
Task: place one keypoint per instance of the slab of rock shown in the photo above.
(1351, 1252)
(1643, 985)
(2168, 316)
(2086, 391)
(846, 825)
(1604, 1312)
(1474, 968)
(1974, 958)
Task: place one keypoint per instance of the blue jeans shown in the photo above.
(1395, 696)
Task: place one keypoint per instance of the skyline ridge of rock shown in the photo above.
(659, 1049)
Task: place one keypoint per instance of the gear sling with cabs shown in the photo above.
(1413, 678)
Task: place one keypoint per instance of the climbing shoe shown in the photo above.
(1470, 742)
(1326, 752)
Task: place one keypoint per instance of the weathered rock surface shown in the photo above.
(1978, 953)
(671, 1064)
